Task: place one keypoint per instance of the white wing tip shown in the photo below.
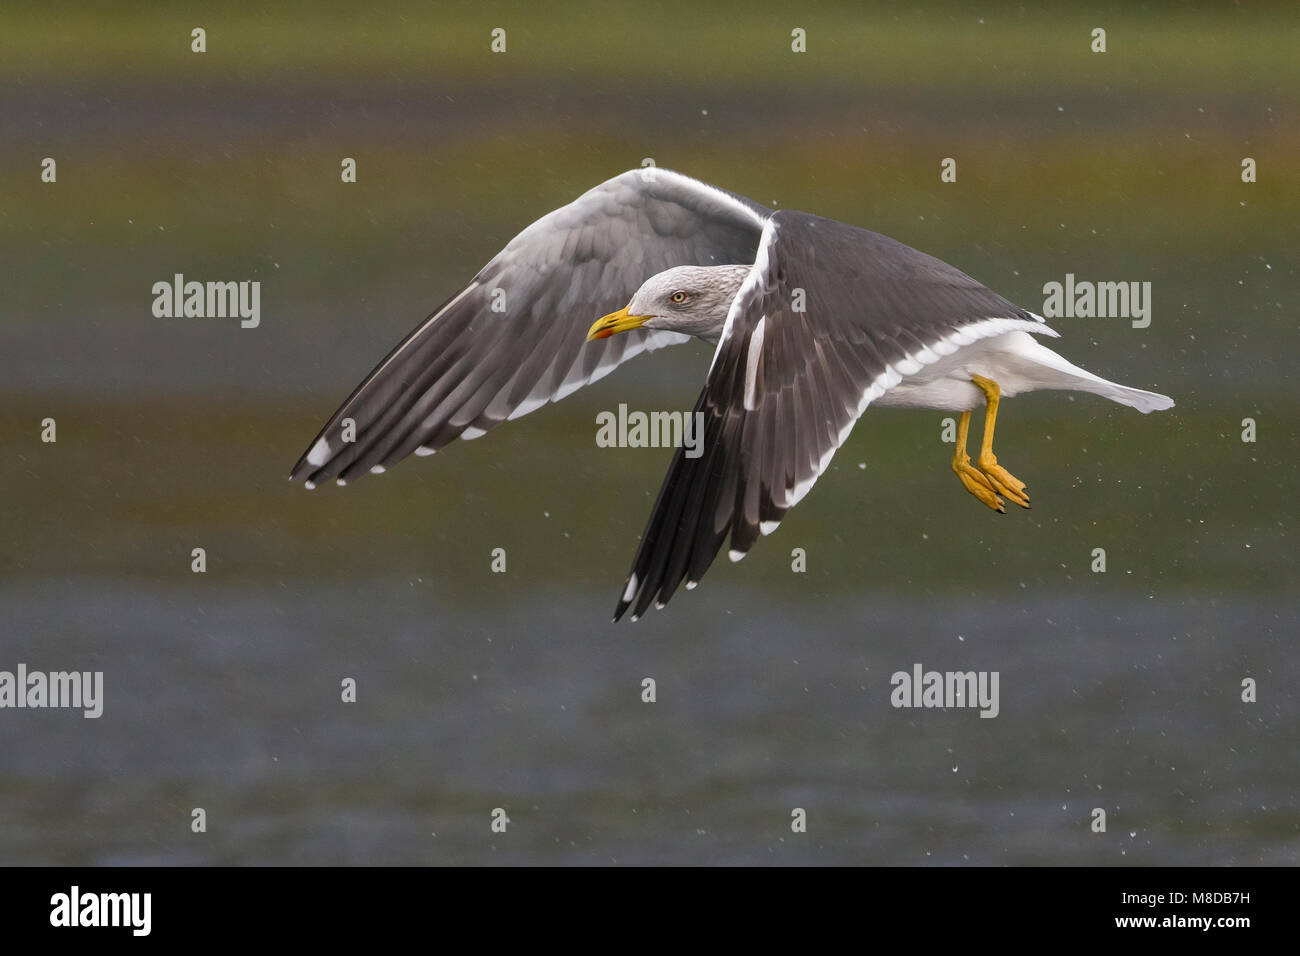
(1046, 329)
(733, 555)
(767, 527)
(319, 454)
(377, 469)
(424, 452)
(310, 485)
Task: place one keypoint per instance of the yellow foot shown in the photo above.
(977, 484)
(1002, 481)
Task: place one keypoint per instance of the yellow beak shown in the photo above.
(615, 323)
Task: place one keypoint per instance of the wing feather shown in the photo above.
(874, 310)
(515, 337)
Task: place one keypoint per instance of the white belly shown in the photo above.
(1015, 360)
(948, 394)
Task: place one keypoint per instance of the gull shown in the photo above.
(811, 321)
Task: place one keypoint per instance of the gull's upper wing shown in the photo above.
(515, 337)
(828, 319)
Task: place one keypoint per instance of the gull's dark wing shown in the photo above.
(515, 337)
(829, 318)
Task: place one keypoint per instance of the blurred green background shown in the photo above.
(483, 690)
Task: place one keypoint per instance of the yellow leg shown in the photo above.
(1002, 480)
(971, 477)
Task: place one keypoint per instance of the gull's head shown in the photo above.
(689, 299)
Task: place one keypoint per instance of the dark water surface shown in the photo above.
(534, 707)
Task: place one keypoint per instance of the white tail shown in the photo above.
(1144, 402)
(1064, 375)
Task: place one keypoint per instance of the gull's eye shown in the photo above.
(678, 297)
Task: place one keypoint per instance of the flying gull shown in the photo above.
(812, 321)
